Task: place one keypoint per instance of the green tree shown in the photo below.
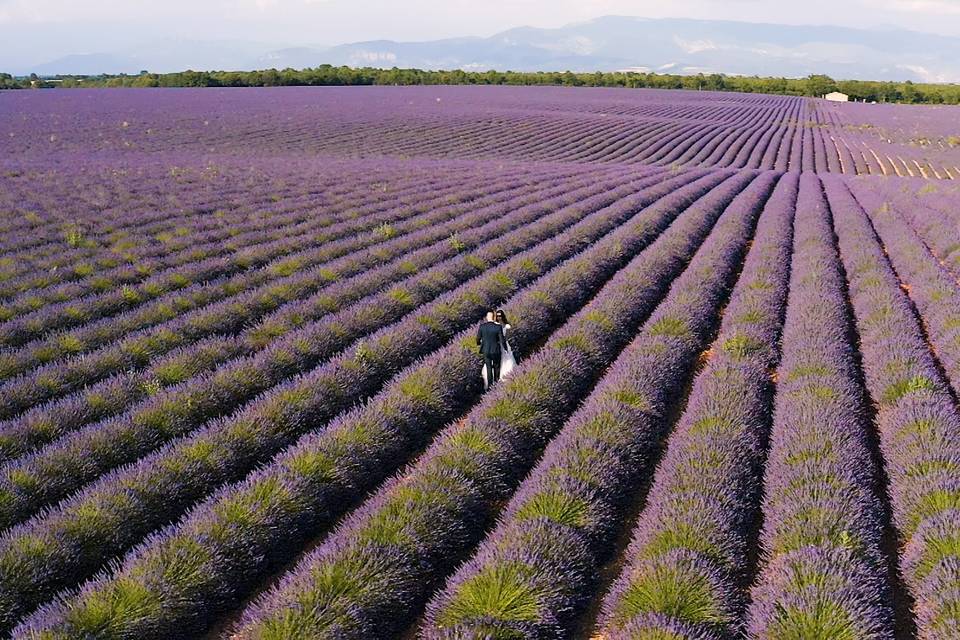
(819, 85)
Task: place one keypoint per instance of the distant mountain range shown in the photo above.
(605, 44)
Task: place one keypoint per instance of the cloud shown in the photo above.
(925, 6)
(70, 26)
(138, 11)
(694, 46)
(926, 74)
(19, 11)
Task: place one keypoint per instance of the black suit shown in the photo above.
(492, 343)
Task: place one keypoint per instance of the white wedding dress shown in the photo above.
(507, 361)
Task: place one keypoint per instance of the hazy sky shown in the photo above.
(36, 31)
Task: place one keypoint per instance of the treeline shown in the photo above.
(328, 75)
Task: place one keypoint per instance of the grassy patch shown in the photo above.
(70, 343)
(670, 327)
(499, 591)
(935, 551)
(824, 620)
(672, 591)
(516, 411)
(99, 613)
(929, 505)
(632, 398)
(556, 505)
(402, 296)
(808, 371)
(420, 388)
(315, 465)
(681, 535)
(894, 392)
(739, 346)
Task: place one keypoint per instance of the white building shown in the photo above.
(836, 96)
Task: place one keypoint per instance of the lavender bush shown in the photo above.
(823, 573)
(917, 419)
(192, 467)
(535, 572)
(230, 318)
(347, 281)
(54, 471)
(688, 560)
(420, 519)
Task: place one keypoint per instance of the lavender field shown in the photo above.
(240, 392)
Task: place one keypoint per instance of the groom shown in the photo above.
(491, 341)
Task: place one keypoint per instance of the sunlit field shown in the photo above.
(240, 391)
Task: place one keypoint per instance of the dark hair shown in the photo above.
(503, 315)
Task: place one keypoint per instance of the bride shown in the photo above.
(507, 361)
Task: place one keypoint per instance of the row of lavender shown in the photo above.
(562, 523)
(340, 282)
(459, 483)
(69, 312)
(296, 225)
(238, 301)
(55, 470)
(857, 350)
(171, 479)
(58, 378)
(39, 311)
(520, 123)
(417, 396)
(825, 568)
(917, 418)
(67, 225)
(213, 385)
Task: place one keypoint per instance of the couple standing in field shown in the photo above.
(498, 359)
